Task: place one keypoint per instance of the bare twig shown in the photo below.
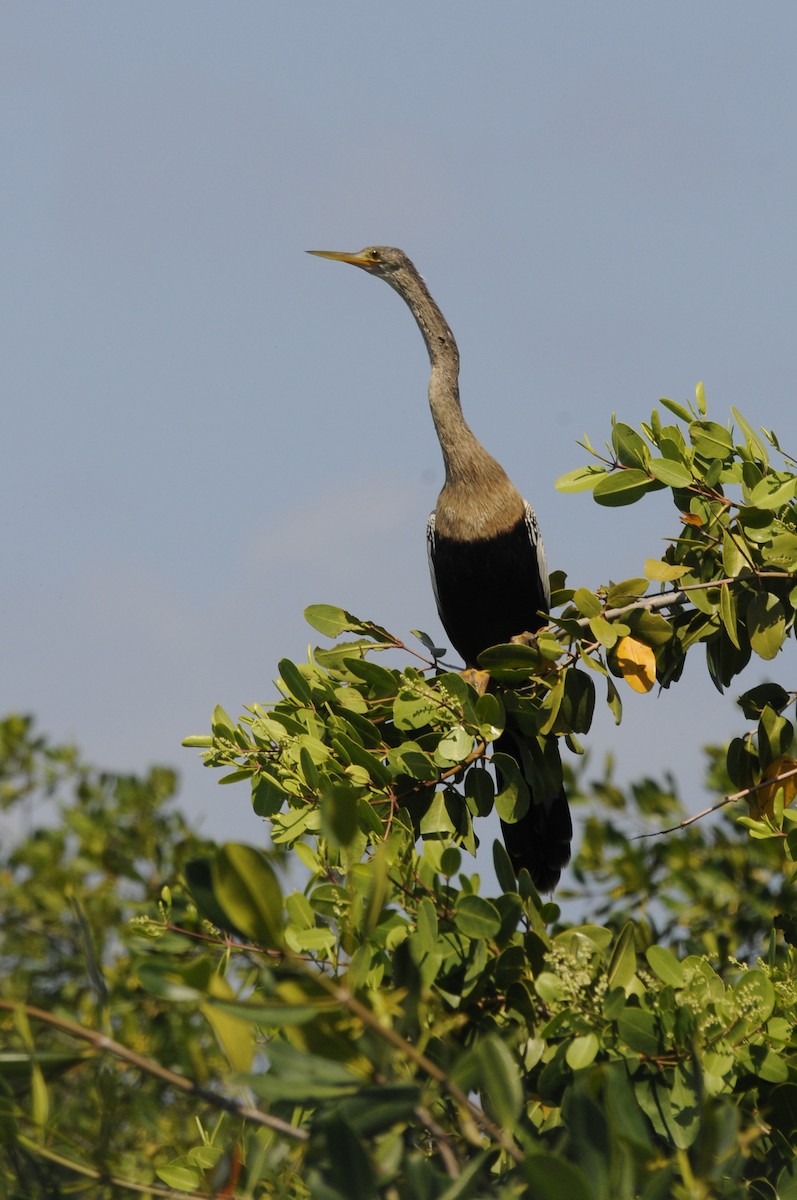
(148, 1066)
(429, 1068)
(748, 791)
(144, 1189)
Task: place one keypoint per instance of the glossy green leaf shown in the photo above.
(629, 447)
(582, 1051)
(710, 439)
(454, 746)
(622, 487)
(754, 440)
(329, 620)
(766, 624)
(772, 492)
(728, 613)
(622, 964)
(501, 1088)
(295, 681)
(638, 1030)
(666, 966)
(664, 572)
(607, 632)
(625, 592)
(676, 408)
(580, 480)
(673, 474)
(477, 917)
(246, 889)
(587, 602)
(177, 1175)
(553, 1178)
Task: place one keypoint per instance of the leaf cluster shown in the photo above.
(389, 1027)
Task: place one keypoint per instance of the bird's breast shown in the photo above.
(475, 513)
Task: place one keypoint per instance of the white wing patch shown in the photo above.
(536, 543)
(430, 555)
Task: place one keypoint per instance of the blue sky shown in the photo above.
(204, 430)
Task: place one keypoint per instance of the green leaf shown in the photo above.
(666, 966)
(629, 447)
(295, 682)
(662, 572)
(582, 1051)
(728, 613)
(710, 440)
(512, 801)
(339, 813)
(246, 888)
(754, 442)
(413, 711)
(504, 870)
(673, 474)
(553, 1178)
(477, 917)
(500, 1083)
(753, 702)
(622, 964)
(454, 746)
(773, 492)
(607, 632)
(624, 592)
(651, 628)
(614, 701)
(677, 409)
(177, 1175)
(578, 703)
(329, 620)
(479, 791)
(351, 1172)
(766, 624)
(637, 1028)
(580, 480)
(221, 723)
(587, 602)
(623, 487)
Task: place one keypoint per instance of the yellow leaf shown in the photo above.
(663, 572)
(762, 802)
(637, 664)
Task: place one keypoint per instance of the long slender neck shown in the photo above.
(478, 500)
(465, 458)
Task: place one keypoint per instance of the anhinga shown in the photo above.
(485, 552)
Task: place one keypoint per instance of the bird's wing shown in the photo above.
(535, 539)
(430, 548)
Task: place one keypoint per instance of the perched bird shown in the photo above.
(485, 552)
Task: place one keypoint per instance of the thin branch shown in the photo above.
(748, 791)
(676, 596)
(147, 1065)
(443, 1140)
(145, 1189)
(429, 1068)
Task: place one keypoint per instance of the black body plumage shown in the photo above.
(487, 589)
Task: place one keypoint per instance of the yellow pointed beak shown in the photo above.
(357, 260)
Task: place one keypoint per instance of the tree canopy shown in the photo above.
(181, 1018)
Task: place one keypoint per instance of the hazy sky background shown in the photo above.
(204, 430)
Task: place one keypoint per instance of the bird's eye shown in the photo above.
(374, 255)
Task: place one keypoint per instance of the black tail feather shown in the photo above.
(540, 840)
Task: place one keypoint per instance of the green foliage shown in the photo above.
(390, 1027)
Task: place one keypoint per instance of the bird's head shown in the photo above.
(383, 261)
